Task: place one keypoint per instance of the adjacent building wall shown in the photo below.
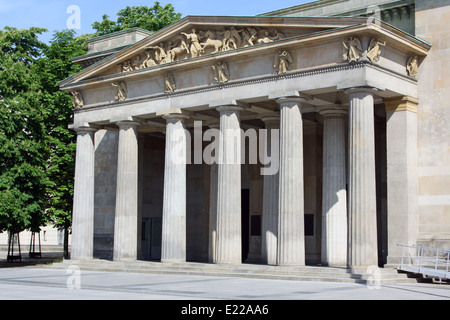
(433, 25)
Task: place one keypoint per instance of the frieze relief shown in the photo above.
(374, 50)
(282, 62)
(121, 90)
(197, 43)
(78, 102)
(221, 72)
(353, 50)
(412, 66)
(169, 83)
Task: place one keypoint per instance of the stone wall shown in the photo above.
(433, 25)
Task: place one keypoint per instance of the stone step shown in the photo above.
(303, 273)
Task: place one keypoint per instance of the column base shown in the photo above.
(124, 260)
(172, 261)
(228, 263)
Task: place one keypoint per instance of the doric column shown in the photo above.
(228, 238)
(270, 200)
(126, 218)
(82, 246)
(402, 183)
(291, 234)
(334, 194)
(362, 206)
(173, 247)
(213, 207)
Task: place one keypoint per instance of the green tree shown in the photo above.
(148, 18)
(23, 152)
(55, 66)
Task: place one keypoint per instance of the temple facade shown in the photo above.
(310, 135)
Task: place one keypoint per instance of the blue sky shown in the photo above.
(52, 14)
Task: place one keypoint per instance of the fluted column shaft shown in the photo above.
(228, 238)
(82, 245)
(334, 194)
(362, 192)
(213, 207)
(291, 239)
(126, 217)
(174, 206)
(270, 200)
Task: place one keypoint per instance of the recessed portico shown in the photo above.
(292, 78)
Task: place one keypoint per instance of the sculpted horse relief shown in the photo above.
(211, 41)
(195, 43)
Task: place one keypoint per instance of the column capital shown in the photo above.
(83, 128)
(127, 123)
(174, 114)
(353, 90)
(335, 111)
(229, 108)
(170, 117)
(270, 119)
(401, 103)
(302, 98)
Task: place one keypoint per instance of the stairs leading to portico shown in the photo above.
(304, 273)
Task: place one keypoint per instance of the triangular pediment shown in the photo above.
(196, 36)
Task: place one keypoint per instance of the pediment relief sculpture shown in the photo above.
(78, 102)
(121, 90)
(412, 66)
(282, 62)
(197, 43)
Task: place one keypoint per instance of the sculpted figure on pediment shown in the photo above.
(211, 41)
(221, 72)
(136, 62)
(121, 90)
(231, 38)
(160, 53)
(249, 36)
(126, 66)
(194, 45)
(226, 36)
(266, 38)
(78, 102)
(374, 50)
(148, 61)
(175, 49)
(352, 49)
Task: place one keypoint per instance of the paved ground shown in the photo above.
(30, 283)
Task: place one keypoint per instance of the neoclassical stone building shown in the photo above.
(347, 109)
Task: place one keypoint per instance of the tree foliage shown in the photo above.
(149, 18)
(37, 150)
(23, 153)
(55, 66)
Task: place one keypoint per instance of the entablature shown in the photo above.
(316, 56)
